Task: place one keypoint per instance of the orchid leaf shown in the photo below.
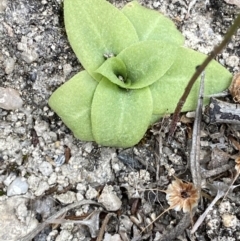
(135, 72)
(120, 117)
(96, 28)
(115, 70)
(151, 25)
(72, 102)
(168, 89)
(145, 63)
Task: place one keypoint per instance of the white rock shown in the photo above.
(52, 179)
(3, 5)
(126, 222)
(91, 193)
(81, 187)
(109, 237)
(11, 227)
(9, 65)
(33, 182)
(41, 127)
(44, 206)
(66, 198)
(43, 186)
(10, 99)
(229, 220)
(156, 4)
(64, 235)
(17, 187)
(225, 207)
(88, 147)
(9, 179)
(232, 61)
(29, 56)
(67, 68)
(46, 168)
(21, 212)
(109, 199)
(79, 196)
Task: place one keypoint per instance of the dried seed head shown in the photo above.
(234, 88)
(182, 195)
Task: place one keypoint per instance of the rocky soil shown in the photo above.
(43, 168)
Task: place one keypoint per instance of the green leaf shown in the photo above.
(120, 117)
(145, 62)
(151, 25)
(96, 28)
(115, 70)
(167, 90)
(154, 119)
(72, 102)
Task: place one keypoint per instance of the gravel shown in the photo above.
(43, 167)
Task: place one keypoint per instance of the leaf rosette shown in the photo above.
(136, 69)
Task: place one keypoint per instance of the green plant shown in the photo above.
(136, 69)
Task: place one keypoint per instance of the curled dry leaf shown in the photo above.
(235, 88)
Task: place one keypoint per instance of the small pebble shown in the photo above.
(9, 179)
(109, 199)
(156, 4)
(3, 5)
(46, 168)
(175, 159)
(88, 147)
(91, 193)
(229, 221)
(29, 56)
(109, 237)
(126, 222)
(43, 186)
(10, 99)
(59, 161)
(232, 61)
(67, 68)
(64, 235)
(66, 198)
(17, 187)
(9, 65)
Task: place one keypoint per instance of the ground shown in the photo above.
(42, 162)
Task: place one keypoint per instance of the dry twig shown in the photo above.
(104, 224)
(60, 213)
(216, 171)
(195, 151)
